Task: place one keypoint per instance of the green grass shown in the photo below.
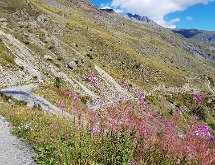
(56, 96)
(204, 111)
(5, 57)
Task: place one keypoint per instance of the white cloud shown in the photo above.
(105, 6)
(156, 9)
(189, 18)
(175, 20)
(170, 24)
(119, 11)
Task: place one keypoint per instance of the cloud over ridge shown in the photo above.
(157, 9)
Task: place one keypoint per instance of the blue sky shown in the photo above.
(201, 17)
(199, 14)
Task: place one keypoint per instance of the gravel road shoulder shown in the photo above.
(12, 150)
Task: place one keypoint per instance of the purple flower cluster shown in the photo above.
(144, 130)
(140, 95)
(74, 96)
(93, 79)
(54, 126)
(62, 106)
(203, 131)
(143, 103)
(169, 126)
(141, 98)
(131, 162)
(197, 99)
(123, 84)
(180, 110)
(93, 130)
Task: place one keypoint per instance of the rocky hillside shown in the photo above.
(205, 41)
(47, 40)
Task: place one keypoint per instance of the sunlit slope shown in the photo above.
(60, 31)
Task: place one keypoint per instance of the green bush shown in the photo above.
(57, 82)
(200, 113)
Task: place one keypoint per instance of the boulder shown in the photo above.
(42, 19)
(3, 22)
(72, 65)
(48, 57)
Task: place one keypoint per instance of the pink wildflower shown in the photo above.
(93, 79)
(197, 99)
(140, 95)
(93, 130)
(54, 126)
(169, 126)
(143, 103)
(203, 131)
(144, 130)
(180, 110)
(62, 106)
(74, 96)
(123, 84)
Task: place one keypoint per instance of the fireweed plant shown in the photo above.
(129, 131)
(133, 132)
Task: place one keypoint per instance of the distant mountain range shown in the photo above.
(198, 35)
(194, 34)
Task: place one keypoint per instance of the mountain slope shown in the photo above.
(40, 38)
(205, 41)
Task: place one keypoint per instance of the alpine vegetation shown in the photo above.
(83, 85)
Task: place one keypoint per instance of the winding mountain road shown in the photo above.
(24, 93)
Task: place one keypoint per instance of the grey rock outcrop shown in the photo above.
(3, 22)
(72, 65)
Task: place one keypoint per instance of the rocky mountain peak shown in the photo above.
(142, 19)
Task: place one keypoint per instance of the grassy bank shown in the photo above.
(123, 136)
